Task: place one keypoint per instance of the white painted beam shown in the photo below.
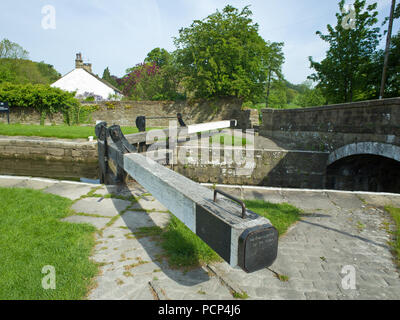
(194, 128)
(193, 204)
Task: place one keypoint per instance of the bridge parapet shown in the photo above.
(328, 128)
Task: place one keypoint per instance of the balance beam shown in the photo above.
(239, 236)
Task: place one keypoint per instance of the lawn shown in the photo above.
(395, 213)
(184, 249)
(58, 131)
(282, 216)
(260, 106)
(32, 237)
(231, 140)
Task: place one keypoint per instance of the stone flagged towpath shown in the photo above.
(338, 232)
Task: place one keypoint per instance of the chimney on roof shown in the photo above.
(79, 63)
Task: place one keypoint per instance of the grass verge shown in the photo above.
(32, 237)
(58, 131)
(395, 213)
(282, 216)
(223, 139)
(185, 250)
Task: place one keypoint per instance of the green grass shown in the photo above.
(260, 106)
(282, 216)
(221, 138)
(395, 213)
(32, 236)
(184, 249)
(58, 131)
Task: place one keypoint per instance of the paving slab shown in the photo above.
(138, 219)
(315, 200)
(99, 223)
(345, 200)
(381, 200)
(69, 190)
(37, 184)
(133, 189)
(10, 182)
(273, 196)
(149, 203)
(103, 207)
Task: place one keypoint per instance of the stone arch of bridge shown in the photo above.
(372, 148)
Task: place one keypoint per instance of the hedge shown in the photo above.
(43, 98)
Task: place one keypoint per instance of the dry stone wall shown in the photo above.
(124, 113)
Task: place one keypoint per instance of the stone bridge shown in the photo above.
(361, 141)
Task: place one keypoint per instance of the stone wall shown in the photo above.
(49, 169)
(274, 168)
(331, 127)
(30, 116)
(34, 148)
(125, 113)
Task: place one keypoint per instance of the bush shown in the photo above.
(42, 98)
(310, 98)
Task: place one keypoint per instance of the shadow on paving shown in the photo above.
(346, 234)
(153, 248)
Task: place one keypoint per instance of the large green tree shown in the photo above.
(16, 68)
(158, 78)
(392, 86)
(309, 96)
(274, 62)
(20, 71)
(159, 56)
(343, 75)
(224, 55)
(12, 50)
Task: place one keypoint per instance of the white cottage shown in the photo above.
(85, 83)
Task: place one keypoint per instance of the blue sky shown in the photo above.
(120, 33)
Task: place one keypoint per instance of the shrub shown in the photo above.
(42, 98)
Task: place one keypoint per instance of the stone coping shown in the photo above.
(350, 105)
(48, 139)
(217, 185)
(299, 189)
(48, 180)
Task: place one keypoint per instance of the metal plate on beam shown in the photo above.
(258, 248)
(214, 232)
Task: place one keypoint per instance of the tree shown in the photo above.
(157, 78)
(342, 76)
(387, 49)
(109, 78)
(277, 97)
(392, 87)
(223, 55)
(12, 50)
(274, 62)
(310, 97)
(20, 71)
(393, 72)
(136, 82)
(160, 57)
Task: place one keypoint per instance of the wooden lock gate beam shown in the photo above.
(241, 237)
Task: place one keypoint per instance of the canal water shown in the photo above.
(83, 172)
